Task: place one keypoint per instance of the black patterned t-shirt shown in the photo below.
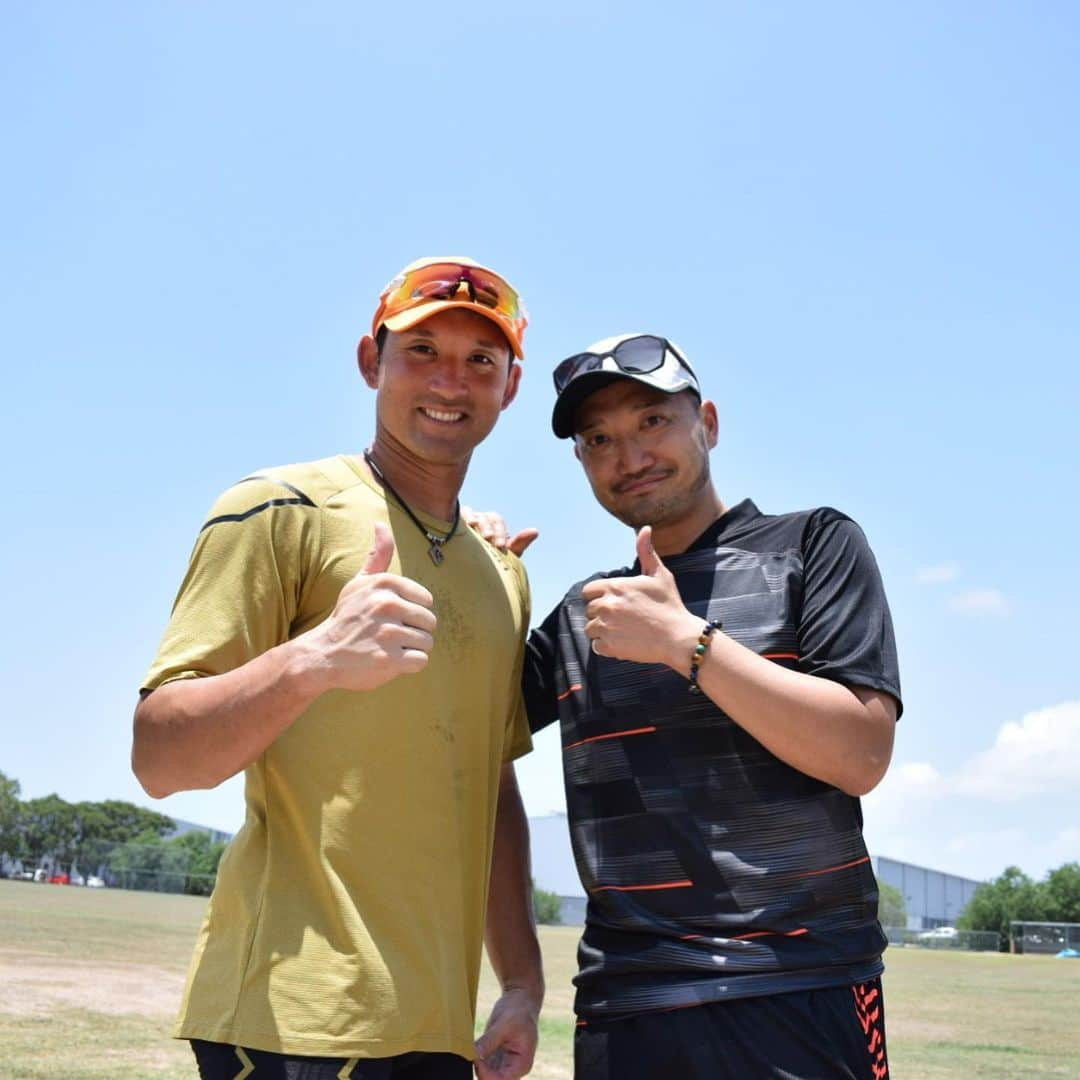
(713, 870)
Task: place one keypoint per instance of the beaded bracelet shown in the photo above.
(700, 649)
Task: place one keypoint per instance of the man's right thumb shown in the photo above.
(382, 550)
(646, 553)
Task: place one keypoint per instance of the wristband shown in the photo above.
(700, 649)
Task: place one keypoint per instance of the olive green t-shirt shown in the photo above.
(348, 914)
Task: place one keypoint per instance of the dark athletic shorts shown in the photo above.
(818, 1034)
(219, 1061)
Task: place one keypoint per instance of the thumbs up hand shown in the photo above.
(381, 554)
(381, 626)
(650, 563)
(641, 618)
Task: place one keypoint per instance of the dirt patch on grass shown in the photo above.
(36, 985)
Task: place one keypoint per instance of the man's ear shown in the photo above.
(367, 359)
(710, 421)
(577, 450)
(513, 380)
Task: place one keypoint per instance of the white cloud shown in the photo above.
(1012, 803)
(980, 602)
(1036, 756)
(919, 775)
(904, 795)
(937, 575)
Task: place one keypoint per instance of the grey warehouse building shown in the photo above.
(932, 897)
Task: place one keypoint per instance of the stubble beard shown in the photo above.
(664, 509)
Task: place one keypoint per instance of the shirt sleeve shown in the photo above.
(538, 677)
(241, 591)
(845, 630)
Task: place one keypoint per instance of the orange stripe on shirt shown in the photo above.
(771, 933)
(781, 656)
(612, 735)
(643, 888)
(831, 869)
(572, 690)
(743, 937)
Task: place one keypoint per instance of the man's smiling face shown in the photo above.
(441, 384)
(646, 453)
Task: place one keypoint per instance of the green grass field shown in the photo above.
(90, 979)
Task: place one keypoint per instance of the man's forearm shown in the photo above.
(842, 735)
(196, 733)
(506, 1048)
(511, 927)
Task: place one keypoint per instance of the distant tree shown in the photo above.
(83, 833)
(995, 904)
(10, 811)
(892, 911)
(149, 863)
(47, 827)
(547, 906)
(1062, 893)
(181, 864)
(101, 826)
(117, 820)
(203, 856)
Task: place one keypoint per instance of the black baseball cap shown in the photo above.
(645, 358)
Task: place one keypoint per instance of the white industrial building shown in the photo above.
(932, 897)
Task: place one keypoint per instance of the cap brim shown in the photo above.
(566, 406)
(406, 320)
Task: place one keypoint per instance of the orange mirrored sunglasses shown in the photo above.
(453, 281)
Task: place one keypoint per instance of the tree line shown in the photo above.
(1015, 896)
(127, 844)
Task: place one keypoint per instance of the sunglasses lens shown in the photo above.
(443, 281)
(493, 293)
(572, 367)
(640, 355)
(430, 290)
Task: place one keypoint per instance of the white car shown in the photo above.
(939, 933)
(94, 882)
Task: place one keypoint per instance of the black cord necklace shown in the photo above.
(434, 539)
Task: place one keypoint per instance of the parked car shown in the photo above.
(94, 882)
(939, 933)
(60, 879)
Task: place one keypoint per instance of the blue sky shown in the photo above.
(860, 221)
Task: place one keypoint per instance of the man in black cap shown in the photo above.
(723, 704)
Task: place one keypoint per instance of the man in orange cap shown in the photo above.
(342, 638)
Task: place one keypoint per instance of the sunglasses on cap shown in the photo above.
(641, 355)
(455, 281)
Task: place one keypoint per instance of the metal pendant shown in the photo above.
(436, 551)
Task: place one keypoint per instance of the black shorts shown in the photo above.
(823, 1034)
(219, 1061)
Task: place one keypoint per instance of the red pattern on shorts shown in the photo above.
(868, 1010)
